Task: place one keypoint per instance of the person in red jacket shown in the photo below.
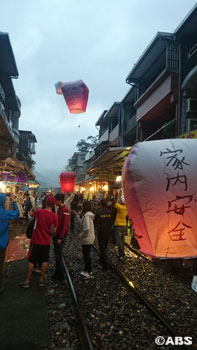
(45, 225)
(62, 230)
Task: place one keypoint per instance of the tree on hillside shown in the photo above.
(82, 146)
(71, 164)
(93, 141)
(89, 145)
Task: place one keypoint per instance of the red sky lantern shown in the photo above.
(67, 181)
(76, 96)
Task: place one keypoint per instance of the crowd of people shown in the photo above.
(106, 219)
(25, 201)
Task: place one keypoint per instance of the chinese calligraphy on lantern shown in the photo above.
(175, 164)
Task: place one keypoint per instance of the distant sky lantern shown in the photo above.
(76, 96)
(58, 87)
(160, 187)
(67, 181)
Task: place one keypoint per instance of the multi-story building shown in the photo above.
(9, 102)
(110, 152)
(26, 147)
(78, 160)
(186, 39)
(155, 78)
(161, 103)
(128, 125)
(11, 139)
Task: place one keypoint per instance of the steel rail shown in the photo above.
(132, 287)
(135, 251)
(85, 336)
(150, 260)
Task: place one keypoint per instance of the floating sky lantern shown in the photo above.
(76, 96)
(67, 181)
(160, 187)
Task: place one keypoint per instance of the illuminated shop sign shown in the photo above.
(22, 177)
(33, 185)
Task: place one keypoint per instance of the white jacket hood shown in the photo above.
(90, 214)
(87, 235)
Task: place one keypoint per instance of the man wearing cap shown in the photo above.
(120, 225)
(45, 225)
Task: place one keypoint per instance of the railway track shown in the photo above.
(84, 333)
(116, 318)
(161, 264)
(131, 285)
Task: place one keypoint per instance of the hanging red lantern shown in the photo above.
(76, 96)
(67, 181)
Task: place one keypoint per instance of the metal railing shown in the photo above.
(157, 131)
(190, 63)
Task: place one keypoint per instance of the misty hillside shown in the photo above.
(48, 177)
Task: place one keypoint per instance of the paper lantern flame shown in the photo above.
(160, 187)
(76, 96)
(67, 181)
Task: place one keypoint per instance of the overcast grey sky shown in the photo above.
(67, 40)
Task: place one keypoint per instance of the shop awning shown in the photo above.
(10, 164)
(30, 174)
(14, 165)
(109, 164)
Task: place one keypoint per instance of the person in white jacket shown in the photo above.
(87, 237)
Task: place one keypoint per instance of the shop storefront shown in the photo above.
(108, 169)
(93, 189)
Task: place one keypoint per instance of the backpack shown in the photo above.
(29, 229)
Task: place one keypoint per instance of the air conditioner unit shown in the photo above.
(191, 124)
(191, 105)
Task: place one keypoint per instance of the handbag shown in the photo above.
(29, 229)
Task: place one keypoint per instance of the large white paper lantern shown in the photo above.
(160, 187)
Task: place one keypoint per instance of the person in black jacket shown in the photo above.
(103, 223)
(111, 207)
(27, 206)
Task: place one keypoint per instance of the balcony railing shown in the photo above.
(114, 133)
(173, 58)
(4, 118)
(2, 93)
(31, 148)
(104, 136)
(16, 135)
(191, 61)
(131, 123)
